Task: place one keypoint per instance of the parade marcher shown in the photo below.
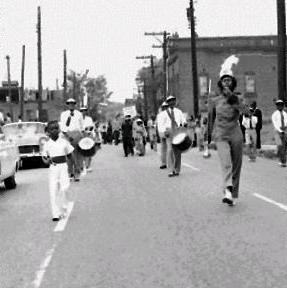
(103, 129)
(72, 126)
(224, 111)
(88, 131)
(116, 129)
(279, 121)
(55, 151)
(249, 122)
(173, 118)
(139, 135)
(151, 124)
(98, 136)
(127, 136)
(161, 130)
(257, 113)
(109, 133)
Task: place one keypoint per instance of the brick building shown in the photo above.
(256, 71)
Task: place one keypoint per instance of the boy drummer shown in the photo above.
(55, 152)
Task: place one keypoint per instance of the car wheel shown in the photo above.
(10, 183)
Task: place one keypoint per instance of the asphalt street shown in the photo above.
(131, 226)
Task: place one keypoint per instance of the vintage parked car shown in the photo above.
(9, 162)
(28, 137)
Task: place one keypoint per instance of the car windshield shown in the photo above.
(23, 128)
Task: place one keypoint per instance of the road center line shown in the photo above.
(62, 223)
(190, 166)
(280, 205)
(43, 267)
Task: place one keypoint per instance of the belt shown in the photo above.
(59, 159)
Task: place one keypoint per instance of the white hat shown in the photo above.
(164, 104)
(71, 100)
(84, 108)
(279, 101)
(170, 97)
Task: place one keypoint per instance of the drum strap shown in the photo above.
(171, 116)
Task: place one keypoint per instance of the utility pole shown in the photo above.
(65, 76)
(9, 98)
(40, 87)
(154, 99)
(281, 52)
(74, 86)
(164, 57)
(145, 102)
(22, 84)
(190, 16)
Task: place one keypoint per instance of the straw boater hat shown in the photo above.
(164, 104)
(71, 100)
(279, 102)
(84, 108)
(170, 98)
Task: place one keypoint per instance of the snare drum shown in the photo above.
(181, 140)
(87, 147)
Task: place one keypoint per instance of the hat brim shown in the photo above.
(170, 99)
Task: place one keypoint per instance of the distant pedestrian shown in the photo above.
(224, 111)
(116, 129)
(279, 121)
(249, 121)
(127, 135)
(55, 152)
(139, 135)
(110, 133)
(161, 129)
(151, 125)
(8, 118)
(257, 113)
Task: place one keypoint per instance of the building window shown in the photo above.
(203, 84)
(250, 82)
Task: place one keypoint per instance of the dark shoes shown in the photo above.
(163, 167)
(56, 219)
(172, 174)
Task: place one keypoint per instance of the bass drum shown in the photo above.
(181, 140)
(87, 147)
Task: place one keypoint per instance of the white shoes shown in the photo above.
(89, 169)
(227, 197)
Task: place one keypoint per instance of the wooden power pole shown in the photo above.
(9, 97)
(65, 76)
(40, 87)
(22, 84)
(281, 52)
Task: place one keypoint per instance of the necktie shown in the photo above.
(251, 127)
(282, 120)
(69, 119)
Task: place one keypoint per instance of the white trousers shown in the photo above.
(59, 182)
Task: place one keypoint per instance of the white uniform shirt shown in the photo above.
(60, 147)
(276, 120)
(88, 122)
(178, 117)
(160, 123)
(76, 124)
(246, 121)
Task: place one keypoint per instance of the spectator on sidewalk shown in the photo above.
(257, 113)
(279, 121)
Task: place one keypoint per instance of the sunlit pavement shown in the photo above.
(132, 226)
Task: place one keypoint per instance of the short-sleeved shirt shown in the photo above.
(76, 123)
(60, 147)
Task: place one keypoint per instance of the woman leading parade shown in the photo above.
(224, 111)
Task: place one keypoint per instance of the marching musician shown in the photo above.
(279, 121)
(72, 126)
(161, 130)
(172, 119)
(224, 111)
(55, 152)
(88, 131)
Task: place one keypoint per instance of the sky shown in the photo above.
(105, 36)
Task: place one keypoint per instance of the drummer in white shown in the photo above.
(88, 131)
(72, 126)
(172, 119)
